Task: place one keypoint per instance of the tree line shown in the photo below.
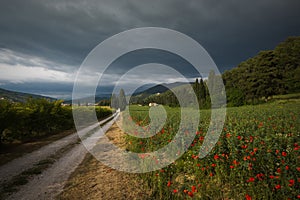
(37, 118)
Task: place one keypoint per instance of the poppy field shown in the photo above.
(256, 156)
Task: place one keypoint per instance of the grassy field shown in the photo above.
(256, 157)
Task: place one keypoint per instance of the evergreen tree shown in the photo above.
(114, 101)
(122, 100)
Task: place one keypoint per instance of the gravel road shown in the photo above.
(51, 181)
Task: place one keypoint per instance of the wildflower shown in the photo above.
(175, 191)
(216, 157)
(292, 182)
(250, 166)
(185, 191)
(277, 187)
(271, 176)
(211, 174)
(194, 188)
(235, 162)
(287, 167)
(213, 165)
(283, 153)
(248, 197)
(191, 194)
(239, 137)
(169, 183)
(260, 176)
(251, 179)
(142, 156)
(251, 138)
(231, 167)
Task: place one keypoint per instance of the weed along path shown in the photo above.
(43, 173)
(94, 180)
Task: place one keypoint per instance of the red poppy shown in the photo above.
(191, 194)
(194, 188)
(292, 182)
(283, 153)
(277, 187)
(216, 157)
(169, 183)
(231, 167)
(279, 170)
(175, 191)
(251, 179)
(213, 165)
(235, 162)
(239, 137)
(248, 197)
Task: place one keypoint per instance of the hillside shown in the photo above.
(19, 96)
(139, 97)
(271, 72)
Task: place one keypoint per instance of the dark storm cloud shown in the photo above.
(61, 33)
(65, 31)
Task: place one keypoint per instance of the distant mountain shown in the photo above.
(138, 98)
(160, 88)
(20, 96)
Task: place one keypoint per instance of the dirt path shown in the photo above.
(52, 179)
(93, 180)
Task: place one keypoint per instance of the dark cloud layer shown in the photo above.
(64, 32)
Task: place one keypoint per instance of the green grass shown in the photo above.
(257, 155)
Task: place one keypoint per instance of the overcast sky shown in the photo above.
(43, 43)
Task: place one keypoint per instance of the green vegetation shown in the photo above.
(256, 157)
(272, 72)
(37, 118)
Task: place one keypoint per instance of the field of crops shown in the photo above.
(39, 118)
(256, 156)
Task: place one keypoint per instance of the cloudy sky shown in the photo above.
(43, 43)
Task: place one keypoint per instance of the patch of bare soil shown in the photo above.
(94, 180)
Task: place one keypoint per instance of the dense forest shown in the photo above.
(269, 73)
(256, 80)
